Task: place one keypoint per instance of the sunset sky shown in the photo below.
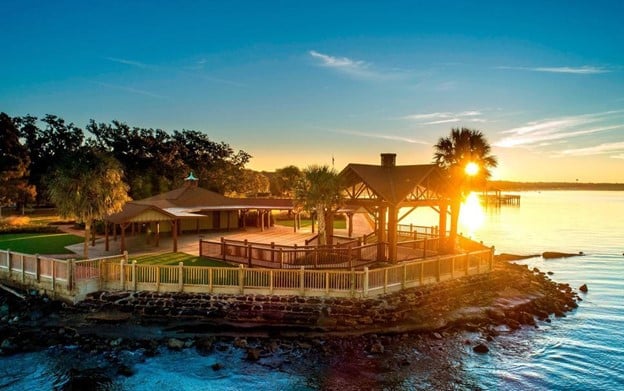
(298, 83)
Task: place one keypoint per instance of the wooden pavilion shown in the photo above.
(190, 208)
(385, 190)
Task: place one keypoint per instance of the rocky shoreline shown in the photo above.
(509, 298)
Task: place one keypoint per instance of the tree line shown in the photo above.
(152, 160)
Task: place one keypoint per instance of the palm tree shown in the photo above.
(319, 190)
(464, 149)
(88, 186)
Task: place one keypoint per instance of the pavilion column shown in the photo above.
(115, 232)
(295, 222)
(442, 223)
(312, 221)
(381, 233)
(174, 230)
(244, 218)
(157, 233)
(350, 227)
(261, 220)
(106, 247)
(392, 233)
(123, 236)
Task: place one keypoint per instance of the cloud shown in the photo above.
(541, 133)
(600, 149)
(354, 68)
(378, 136)
(130, 89)
(445, 117)
(129, 62)
(583, 70)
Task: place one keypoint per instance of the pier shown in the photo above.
(498, 198)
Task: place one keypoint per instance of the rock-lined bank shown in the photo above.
(511, 295)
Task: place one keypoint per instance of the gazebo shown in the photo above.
(385, 190)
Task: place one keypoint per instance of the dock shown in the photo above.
(499, 198)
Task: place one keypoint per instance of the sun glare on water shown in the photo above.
(472, 215)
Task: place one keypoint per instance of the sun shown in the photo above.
(472, 168)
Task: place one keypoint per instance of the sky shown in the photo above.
(302, 83)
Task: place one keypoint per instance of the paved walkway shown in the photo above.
(189, 243)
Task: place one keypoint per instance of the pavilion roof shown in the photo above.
(392, 184)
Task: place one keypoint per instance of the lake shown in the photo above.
(582, 351)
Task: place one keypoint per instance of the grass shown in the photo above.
(176, 258)
(338, 224)
(35, 243)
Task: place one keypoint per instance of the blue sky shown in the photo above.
(298, 83)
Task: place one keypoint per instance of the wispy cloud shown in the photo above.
(130, 89)
(378, 136)
(583, 70)
(133, 63)
(544, 132)
(616, 147)
(445, 117)
(354, 68)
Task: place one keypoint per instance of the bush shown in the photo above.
(27, 229)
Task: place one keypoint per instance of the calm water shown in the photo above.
(582, 351)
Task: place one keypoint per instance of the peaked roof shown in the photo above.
(187, 196)
(393, 184)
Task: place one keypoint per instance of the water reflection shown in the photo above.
(472, 215)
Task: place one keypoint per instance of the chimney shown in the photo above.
(388, 160)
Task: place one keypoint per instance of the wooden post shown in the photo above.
(181, 276)
(271, 281)
(438, 271)
(8, 252)
(385, 280)
(157, 233)
(350, 256)
(249, 251)
(23, 270)
(352, 283)
(37, 267)
(106, 245)
(70, 275)
(241, 279)
(157, 278)
(422, 272)
(281, 258)
(350, 216)
(123, 236)
(272, 252)
(223, 247)
(404, 280)
(134, 275)
(316, 256)
(122, 274)
(302, 280)
(365, 287)
(210, 286)
(327, 283)
(53, 263)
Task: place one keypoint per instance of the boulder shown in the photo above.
(175, 344)
(481, 349)
(583, 288)
(253, 354)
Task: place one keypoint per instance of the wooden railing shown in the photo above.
(303, 282)
(73, 280)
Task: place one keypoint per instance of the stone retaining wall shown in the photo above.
(326, 313)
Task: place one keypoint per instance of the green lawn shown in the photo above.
(175, 258)
(38, 243)
(338, 224)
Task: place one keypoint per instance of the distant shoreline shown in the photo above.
(528, 186)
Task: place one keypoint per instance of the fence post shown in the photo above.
(37, 267)
(23, 270)
(122, 272)
(247, 250)
(210, 272)
(492, 258)
(365, 287)
(404, 282)
(125, 255)
(327, 283)
(302, 280)
(438, 270)
(53, 275)
(425, 247)
(249, 254)
(422, 271)
(200, 248)
(181, 276)
(352, 283)
(316, 256)
(281, 258)
(241, 278)
(385, 280)
(272, 252)
(134, 275)
(9, 262)
(157, 278)
(223, 247)
(70, 275)
(271, 281)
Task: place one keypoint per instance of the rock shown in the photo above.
(240, 342)
(555, 254)
(437, 335)
(253, 354)
(204, 345)
(175, 344)
(481, 349)
(583, 288)
(125, 370)
(377, 348)
(216, 366)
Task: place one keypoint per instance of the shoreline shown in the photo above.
(509, 298)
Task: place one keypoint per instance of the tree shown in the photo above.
(88, 186)
(463, 148)
(14, 163)
(319, 189)
(284, 180)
